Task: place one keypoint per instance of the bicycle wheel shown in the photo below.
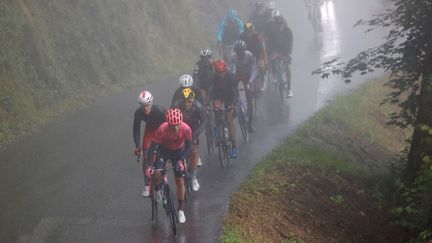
(187, 180)
(170, 208)
(243, 121)
(281, 82)
(209, 136)
(153, 202)
(223, 154)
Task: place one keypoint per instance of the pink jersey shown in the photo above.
(172, 140)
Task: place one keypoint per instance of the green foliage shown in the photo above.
(415, 198)
(231, 235)
(337, 199)
(62, 52)
(406, 55)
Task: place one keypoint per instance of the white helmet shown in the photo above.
(271, 5)
(276, 14)
(186, 81)
(145, 97)
(205, 53)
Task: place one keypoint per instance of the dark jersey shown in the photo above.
(203, 74)
(280, 39)
(254, 43)
(152, 120)
(259, 20)
(194, 117)
(224, 89)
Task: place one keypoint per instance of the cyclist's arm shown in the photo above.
(195, 76)
(176, 96)
(202, 119)
(253, 69)
(220, 31)
(289, 40)
(188, 142)
(136, 128)
(240, 25)
(152, 152)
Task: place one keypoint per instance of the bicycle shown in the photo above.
(209, 133)
(221, 135)
(242, 115)
(187, 179)
(167, 197)
(280, 74)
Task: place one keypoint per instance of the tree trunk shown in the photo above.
(419, 147)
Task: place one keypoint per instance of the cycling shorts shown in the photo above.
(172, 156)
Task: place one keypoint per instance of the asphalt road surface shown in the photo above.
(77, 180)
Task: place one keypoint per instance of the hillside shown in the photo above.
(56, 56)
(332, 181)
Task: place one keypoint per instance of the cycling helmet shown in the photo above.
(249, 26)
(219, 66)
(232, 14)
(271, 5)
(145, 98)
(186, 81)
(276, 14)
(174, 116)
(205, 53)
(239, 45)
(188, 93)
(259, 5)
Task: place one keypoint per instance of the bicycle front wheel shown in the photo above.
(171, 211)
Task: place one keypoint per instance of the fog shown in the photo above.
(77, 180)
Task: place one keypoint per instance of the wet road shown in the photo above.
(77, 180)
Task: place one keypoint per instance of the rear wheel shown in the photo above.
(243, 122)
(209, 137)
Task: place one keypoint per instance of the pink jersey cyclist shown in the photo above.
(172, 141)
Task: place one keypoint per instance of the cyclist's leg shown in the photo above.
(179, 179)
(261, 72)
(194, 158)
(249, 104)
(230, 123)
(288, 78)
(157, 176)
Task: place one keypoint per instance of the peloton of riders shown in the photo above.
(247, 50)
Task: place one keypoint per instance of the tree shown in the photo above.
(406, 55)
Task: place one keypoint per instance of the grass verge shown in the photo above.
(329, 182)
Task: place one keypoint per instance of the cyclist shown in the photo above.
(280, 43)
(172, 141)
(245, 71)
(185, 81)
(224, 91)
(258, 18)
(203, 74)
(255, 44)
(229, 31)
(153, 116)
(270, 7)
(194, 115)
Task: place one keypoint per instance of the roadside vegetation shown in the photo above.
(332, 181)
(56, 56)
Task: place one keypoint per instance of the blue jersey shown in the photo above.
(229, 30)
